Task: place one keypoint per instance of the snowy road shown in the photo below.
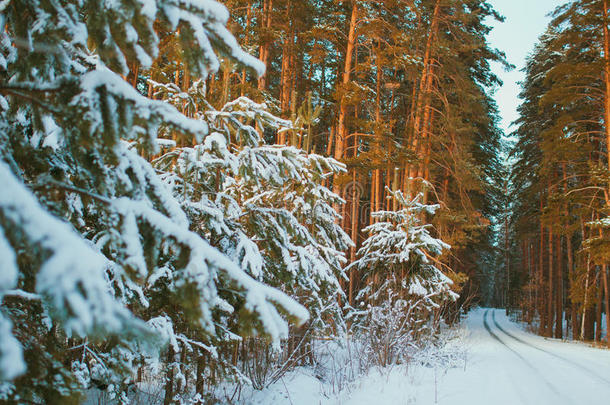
(508, 366)
(503, 365)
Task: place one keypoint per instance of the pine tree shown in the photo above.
(88, 225)
(401, 254)
(562, 171)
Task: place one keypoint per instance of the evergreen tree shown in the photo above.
(87, 223)
(560, 176)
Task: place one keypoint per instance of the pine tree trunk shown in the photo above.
(607, 89)
(507, 260)
(424, 172)
(169, 383)
(525, 266)
(264, 48)
(588, 321)
(422, 103)
(598, 310)
(532, 275)
(607, 128)
(559, 291)
(286, 69)
(199, 382)
(541, 286)
(247, 42)
(226, 81)
(136, 73)
(570, 264)
(606, 302)
(550, 299)
(331, 138)
(341, 133)
(354, 236)
(376, 176)
(573, 312)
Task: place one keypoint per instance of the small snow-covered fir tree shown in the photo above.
(405, 286)
(87, 226)
(401, 250)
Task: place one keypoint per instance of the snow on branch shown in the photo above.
(200, 269)
(103, 93)
(71, 278)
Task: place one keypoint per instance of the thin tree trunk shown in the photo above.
(425, 166)
(607, 89)
(341, 132)
(532, 275)
(354, 235)
(376, 176)
(341, 127)
(247, 42)
(570, 257)
(136, 72)
(507, 260)
(550, 302)
(606, 302)
(598, 310)
(573, 313)
(286, 68)
(559, 291)
(421, 105)
(607, 130)
(169, 384)
(264, 49)
(541, 308)
(585, 333)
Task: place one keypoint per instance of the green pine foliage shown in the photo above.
(104, 264)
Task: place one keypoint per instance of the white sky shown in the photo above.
(525, 21)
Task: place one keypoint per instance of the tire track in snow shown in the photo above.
(516, 353)
(518, 339)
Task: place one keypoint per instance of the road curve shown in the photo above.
(508, 366)
(583, 368)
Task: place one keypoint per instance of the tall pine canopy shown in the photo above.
(558, 231)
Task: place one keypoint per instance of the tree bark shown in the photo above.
(541, 308)
(265, 45)
(169, 383)
(287, 46)
(422, 107)
(354, 236)
(607, 88)
(598, 309)
(199, 385)
(587, 330)
(559, 291)
(341, 127)
(606, 302)
(550, 299)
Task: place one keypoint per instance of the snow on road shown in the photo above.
(509, 366)
(504, 365)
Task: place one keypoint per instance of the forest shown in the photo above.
(198, 197)
(557, 232)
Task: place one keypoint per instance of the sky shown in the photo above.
(525, 21)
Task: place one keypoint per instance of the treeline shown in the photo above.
(557, 238)
(177, 213)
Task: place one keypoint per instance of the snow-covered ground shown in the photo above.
(502, 364)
